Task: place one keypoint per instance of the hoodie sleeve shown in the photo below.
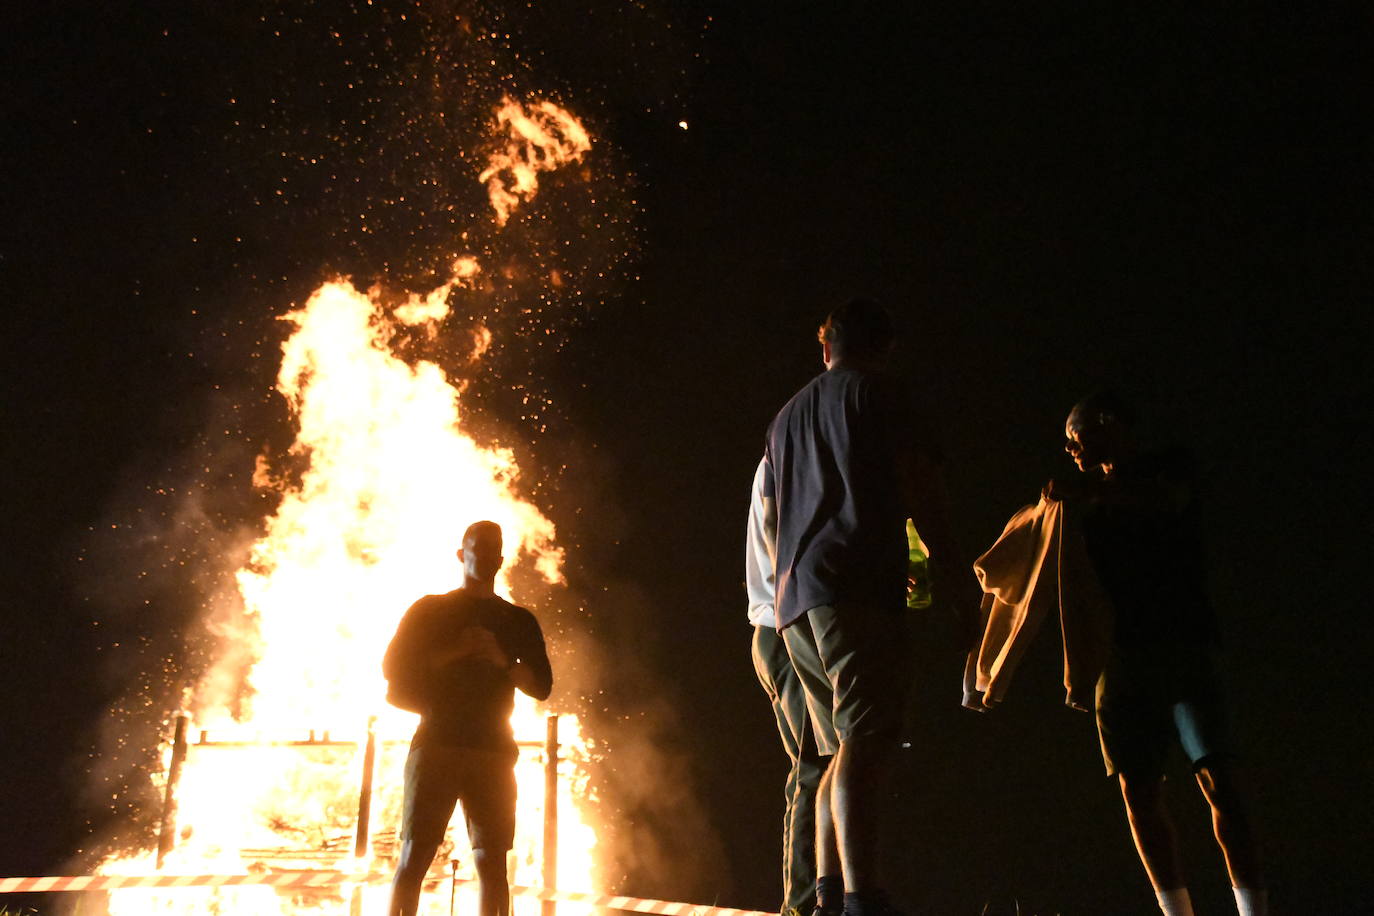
(760, 550)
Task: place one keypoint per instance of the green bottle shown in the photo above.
(918, 591)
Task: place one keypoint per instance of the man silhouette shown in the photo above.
(845, 466)
(457, 659)
(1142, 530)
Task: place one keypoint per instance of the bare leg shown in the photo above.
(827, 847)
(492, 882)
(858, 781)
(410, 875)
(1231, 824)
(1153, 830)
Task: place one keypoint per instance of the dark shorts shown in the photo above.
(852, 662)
(438, 777)
(1148, 700)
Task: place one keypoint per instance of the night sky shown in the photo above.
(1049, 199)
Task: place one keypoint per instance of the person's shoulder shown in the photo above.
(814, 384)
(446, 603)
(428, 604)
(498, 604)
(426, 609)
(523, 614)
(509, 606)
(802, 400)
(879, 389)
(847, 382)
(520, 619)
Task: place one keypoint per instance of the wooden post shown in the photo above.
(166, 834)
(550, 876)
(365, 794)
(364, 832)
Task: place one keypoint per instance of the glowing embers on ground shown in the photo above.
(386, 484)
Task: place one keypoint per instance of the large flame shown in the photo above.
(391, 485)
(386, 481)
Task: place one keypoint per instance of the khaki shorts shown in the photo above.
(436, 778)
(853, 665)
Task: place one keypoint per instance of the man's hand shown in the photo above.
(474, 643)
(1060, 489)
(486, 647)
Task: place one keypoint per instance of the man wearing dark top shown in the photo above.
(1143, 533)
(845, 468)
(457, 659)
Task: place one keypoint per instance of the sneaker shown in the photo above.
(877, 905)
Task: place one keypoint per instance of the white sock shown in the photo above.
(1251, 901)
(1175, 902)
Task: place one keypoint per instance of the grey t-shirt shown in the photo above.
(832, 464)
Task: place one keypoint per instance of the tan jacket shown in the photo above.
(1039, 563)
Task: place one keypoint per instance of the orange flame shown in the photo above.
(433, 307)
(539, 139)
(390, 482)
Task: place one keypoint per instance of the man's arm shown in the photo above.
(760, 548)
(529, 669)
(403, 654)
(405, 664)
(927, 502)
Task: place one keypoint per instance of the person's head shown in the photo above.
(481, 552)
(860, 331)
(1100, 430)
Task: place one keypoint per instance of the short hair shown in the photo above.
(860, 327)
(1110, 403)
(476, 529)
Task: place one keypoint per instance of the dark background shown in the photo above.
(1174, 201)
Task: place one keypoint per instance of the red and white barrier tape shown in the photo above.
(329, 878)
(635, 904)
(114, 882)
